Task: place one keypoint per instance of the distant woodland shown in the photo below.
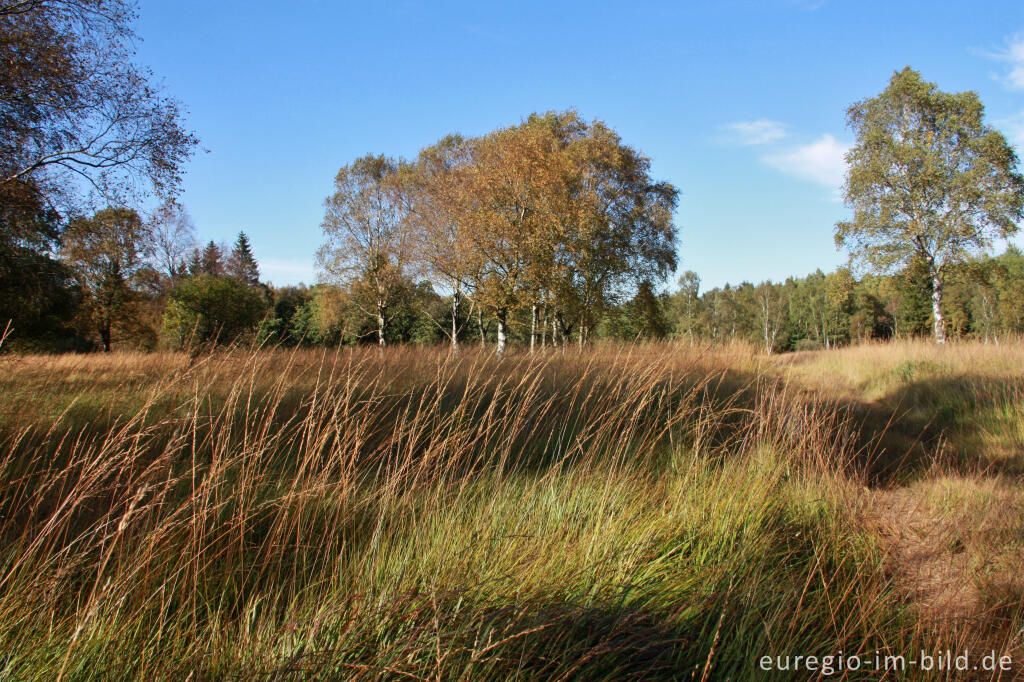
(545, 233)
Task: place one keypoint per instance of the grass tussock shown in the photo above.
(642, 512)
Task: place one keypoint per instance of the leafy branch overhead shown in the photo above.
(75, 110)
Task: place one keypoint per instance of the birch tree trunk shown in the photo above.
(533, 328)
(380, 324)
(544, 329)
(940, 324)
(501, 331)
(455, 314)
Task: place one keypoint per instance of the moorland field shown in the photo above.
(757, 480)
(659, 511)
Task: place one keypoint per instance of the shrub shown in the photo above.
(205, 308)
(807, 344)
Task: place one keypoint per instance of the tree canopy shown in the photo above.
(206, 309)
(555, 214)
(106, 252)
(927, 179)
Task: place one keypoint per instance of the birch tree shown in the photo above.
(619, 232)
(771, 309)
(440, 212)
(514, 179)
(368, 238)
(172, 238)
(75, 108)
(687, 304)
(927, 178)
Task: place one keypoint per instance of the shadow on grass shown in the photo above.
(558, 641)
(963, 424)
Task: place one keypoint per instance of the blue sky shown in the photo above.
(740, 104)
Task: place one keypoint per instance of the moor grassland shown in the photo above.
(625, 512)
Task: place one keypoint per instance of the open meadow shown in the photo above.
(483, 341)
(652, 511)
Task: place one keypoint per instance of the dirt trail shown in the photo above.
(932, 558)
(927, 558)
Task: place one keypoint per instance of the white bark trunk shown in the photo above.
(533, 328)
(455, 314)
(940, 324)
(544, 329)
(501, 332)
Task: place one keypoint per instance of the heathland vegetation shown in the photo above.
(626, 512)
(490, 443)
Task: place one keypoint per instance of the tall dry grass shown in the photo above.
(625, 512)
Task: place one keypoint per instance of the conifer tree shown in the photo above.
(211, 260)
(242, 264)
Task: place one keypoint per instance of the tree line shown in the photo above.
(983, 299)
(138, 283)
(146, 284)
(547, 232)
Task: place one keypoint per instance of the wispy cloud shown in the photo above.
(761, 131)
(1013, 56)
(822, 162)
(1013, 126)
(1012, 78)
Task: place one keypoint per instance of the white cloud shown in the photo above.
(822, 161)
(1013, 128)
(761, 131)
(1013, 55)
(1012, 79)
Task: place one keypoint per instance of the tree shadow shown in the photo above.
(963, 424)
(555, 640)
